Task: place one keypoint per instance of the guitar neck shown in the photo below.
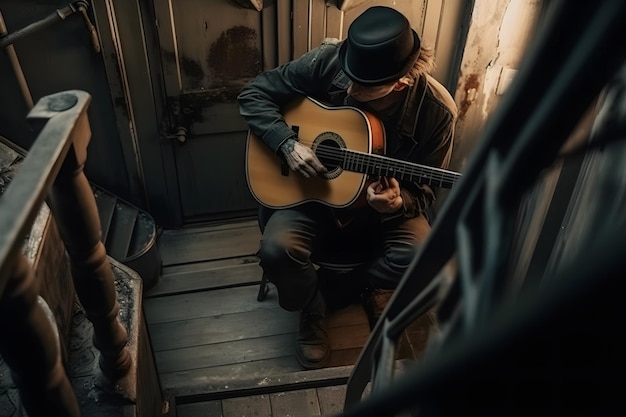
(378, 165)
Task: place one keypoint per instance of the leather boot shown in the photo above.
(374, 303)
(312, 344)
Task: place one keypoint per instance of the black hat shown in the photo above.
(381, 47)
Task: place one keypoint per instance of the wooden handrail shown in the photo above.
(53, 170)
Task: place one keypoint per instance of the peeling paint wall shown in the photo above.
(498, 35)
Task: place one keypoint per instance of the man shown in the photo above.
(381, 67)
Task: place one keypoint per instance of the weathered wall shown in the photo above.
(499, 32)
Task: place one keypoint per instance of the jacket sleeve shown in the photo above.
(262, 98)
(435, 137)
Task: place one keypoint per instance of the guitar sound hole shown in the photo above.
(328, 155)
(327, 147)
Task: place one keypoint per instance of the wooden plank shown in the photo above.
(252, 378)
(273, 375)
(206, 279)
(217, 354)
(331, 399)
(201, 409)
(348, 316)
(248, 350)
(256, 405)
(206, 265)
(203, 304)
(344, 357)
(227, 378)
(248, 324)
(207, 244)
(222, 328)
(348, 337)
(226, 225)
(302, 403)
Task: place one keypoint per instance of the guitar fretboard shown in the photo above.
(379, 165)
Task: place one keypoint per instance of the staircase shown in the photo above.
(129, 235)
(138, 393)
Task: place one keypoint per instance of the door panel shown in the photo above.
(210, 50)
(212, 173)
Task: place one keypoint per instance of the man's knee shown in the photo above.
(271, 253)
(282, 250)
(289, 270)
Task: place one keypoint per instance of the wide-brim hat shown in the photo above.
(381, 47)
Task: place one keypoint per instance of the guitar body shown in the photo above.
(274, 185)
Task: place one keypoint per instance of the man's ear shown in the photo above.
(401, 84)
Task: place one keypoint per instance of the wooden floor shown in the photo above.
(219, 351)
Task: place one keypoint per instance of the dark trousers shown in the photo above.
(294, 238)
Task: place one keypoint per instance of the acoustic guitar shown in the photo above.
(349, 142)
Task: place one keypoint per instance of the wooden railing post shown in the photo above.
(30, 346)
(74, 208)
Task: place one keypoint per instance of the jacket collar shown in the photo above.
(412, 108)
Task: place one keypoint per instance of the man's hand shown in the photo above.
(384, 195)
(301, 159)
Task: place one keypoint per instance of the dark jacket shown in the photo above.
(421, 130)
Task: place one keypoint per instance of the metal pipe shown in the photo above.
(8, 39)
(93, 33)
(15, 63)
(60, 14)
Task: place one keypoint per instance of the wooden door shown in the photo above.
(209, 50)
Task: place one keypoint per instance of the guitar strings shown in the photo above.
(374, 163)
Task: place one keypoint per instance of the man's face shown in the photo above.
(366, 93)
